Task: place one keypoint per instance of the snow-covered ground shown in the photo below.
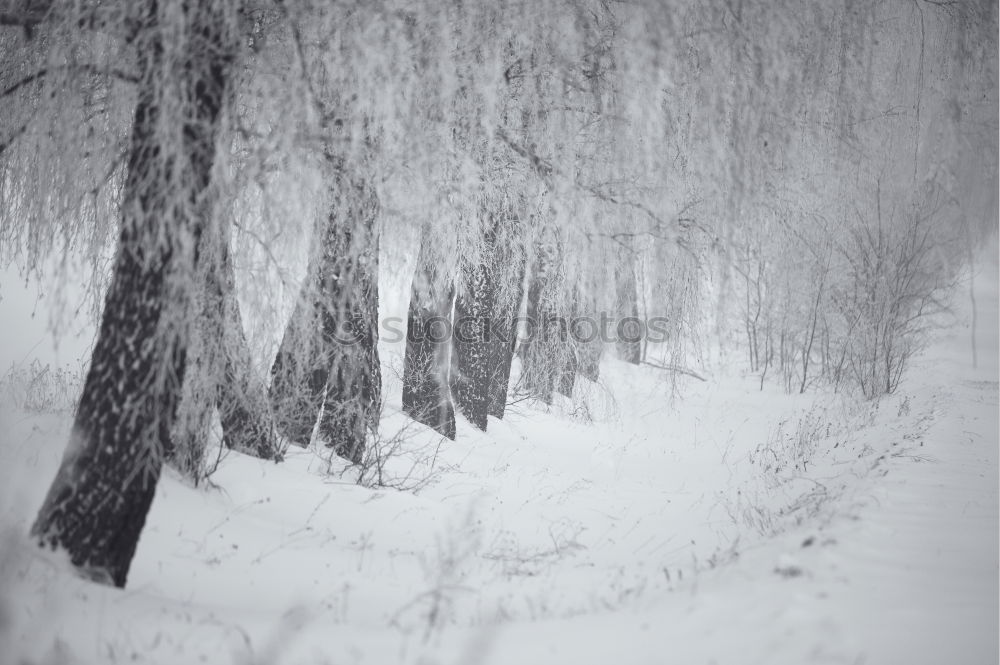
(726, 525)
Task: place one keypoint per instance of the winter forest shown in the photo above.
(523, 331)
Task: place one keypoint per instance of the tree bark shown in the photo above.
(567, 375)
(543, 352)
(471, 348)
(349, 315)
(220, 373)
(299, 371)
(510, 263)
(589, 344)
(244, 411)
(629, 349)
(327, 368)
(426, 385)
(485, 312)
(97, 504)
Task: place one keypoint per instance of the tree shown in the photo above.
(485, 312)
(220, 372)
(97, 504)
(536, 137)
(327, 368)
(628, 338)
(472, 355)
(587, 335)
(546, 350)
(895, 282)
(427, 362)
(508, 269)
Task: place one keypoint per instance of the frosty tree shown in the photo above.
(799, 180)
(97, 504)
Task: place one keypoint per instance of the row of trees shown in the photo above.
(555, 159)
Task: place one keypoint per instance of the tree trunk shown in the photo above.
(587, 335)
(543, 353)
(426, 386)
(471, 350)
(349, 314)
(484, 331)
(327, 368)
(244, 411)
(509, 267)
(629, 341)
(299, 372)
(193, 423)
(220, 373)
(97, 504)
(567, 375)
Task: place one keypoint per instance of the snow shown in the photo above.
(726, 525)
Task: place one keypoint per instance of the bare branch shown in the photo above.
(119, 74)
(675, 368)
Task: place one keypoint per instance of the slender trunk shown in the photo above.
(349, 315)
(629, 347)
(587, 336)
(192, 426)
(567, 377)
(299, 371)
(220, 373)
(542, 353)
(327, 369)
(972, 298)
(645, 308)
(485, 312)
(503, 341)
(759, 302)
(746, 323)
(768, 352)
(97, 504)
(807, 349)
(828, 368)
(509, 269)
(245, 414)
(472, 351)
(426, 392)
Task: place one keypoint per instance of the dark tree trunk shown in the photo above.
(244, 411)
(349, 315)
(484, 329)
(503, 355)
(509, 265)
(471, 350)
(426, 386)
(327, 368)
(220, 373)
(97, 504)
(629, 335)
(567, 373)
(299, 372)
(186, 452)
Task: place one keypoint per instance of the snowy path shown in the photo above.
(645, 538)
(907, 573)
(918, 574)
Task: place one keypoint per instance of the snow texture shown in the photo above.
(731, 525)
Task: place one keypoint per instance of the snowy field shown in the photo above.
(721, 525)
